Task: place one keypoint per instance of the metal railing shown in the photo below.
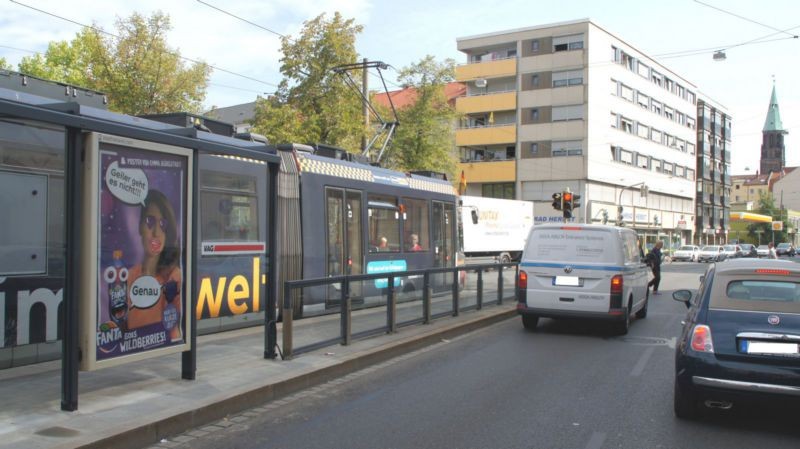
(455, 290)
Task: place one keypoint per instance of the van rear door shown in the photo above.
(570, 268)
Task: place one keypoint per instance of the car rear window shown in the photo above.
(764, 295)
(686, 248)
(573, 245)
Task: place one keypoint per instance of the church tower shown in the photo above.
(773, 150)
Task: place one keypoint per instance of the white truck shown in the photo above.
(501, 229)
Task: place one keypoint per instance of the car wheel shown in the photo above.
(642, 313)
(622, 327)
(684, 402)
(530, 322)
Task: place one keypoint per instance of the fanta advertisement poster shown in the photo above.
(142, 212)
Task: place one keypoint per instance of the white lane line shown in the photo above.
(596, 441)
(638, 369)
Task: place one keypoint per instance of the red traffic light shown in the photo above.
(567, 196)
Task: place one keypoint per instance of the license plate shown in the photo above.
(570, 281)
(764, 347)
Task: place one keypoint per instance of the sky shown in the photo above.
(402, 33)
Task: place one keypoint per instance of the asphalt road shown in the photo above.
(568, 385)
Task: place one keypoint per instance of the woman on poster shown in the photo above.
(159, 238)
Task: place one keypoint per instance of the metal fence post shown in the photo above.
(426, 298)
(287, 321)
(455, 292)
(391, 307)
(346, 310)
(500, 284)
(480, 288)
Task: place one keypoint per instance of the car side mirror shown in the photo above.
(702, 278)
(474, 215)
(684, 296)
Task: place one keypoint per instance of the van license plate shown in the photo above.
(570, 281)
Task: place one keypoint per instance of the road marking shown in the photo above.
(640, 365)
(596, 441)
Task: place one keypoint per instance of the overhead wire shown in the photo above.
(100, 30)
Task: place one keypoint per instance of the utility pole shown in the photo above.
(364, 108)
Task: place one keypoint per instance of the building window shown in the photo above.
(534, 148)
(656, 78)
(568, 78)
(567, 148)
(535, 80)
(626, 125)
(500, 190)
(669, 113)
(680, 171)
(655, 106)
(690, 122)
(643, 100)
(643, 70)
(626, 157)
(657, 164)
(691, 97)
(613, 120)
(565, 43)
(627, 93)
(643, 161)
(613, 87)
(643, 131)
(690, 173)
(564, 113)
(655, 135)
(667, 168)
(535, 45)
(535, 114)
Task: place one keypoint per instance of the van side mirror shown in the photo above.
(474, 214)
(702, 278)
(684, 296)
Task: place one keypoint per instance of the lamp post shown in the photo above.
(642, 192)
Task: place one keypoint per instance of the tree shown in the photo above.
(4, 65)
(766, 206)
(135, 67)
(313, 104)
(424, 138)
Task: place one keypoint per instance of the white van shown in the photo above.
(582, 271)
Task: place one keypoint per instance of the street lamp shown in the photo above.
(643, 190)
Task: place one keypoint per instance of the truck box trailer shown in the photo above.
(501, 228)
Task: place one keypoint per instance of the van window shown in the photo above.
(579, 244)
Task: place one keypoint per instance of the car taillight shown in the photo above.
(523, 280)
(616, 284)
(701, 339)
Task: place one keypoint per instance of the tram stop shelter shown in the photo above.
(79, 121)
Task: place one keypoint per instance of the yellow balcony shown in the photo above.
(488, 135)
(506, 101)
(495, 171)
(490, 69)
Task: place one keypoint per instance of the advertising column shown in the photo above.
(140, 251)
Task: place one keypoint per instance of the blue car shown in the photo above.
(741, 337)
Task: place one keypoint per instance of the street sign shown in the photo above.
(777, 226)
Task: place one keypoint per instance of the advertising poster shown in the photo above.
(141, 278)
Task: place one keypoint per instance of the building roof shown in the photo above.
(763, 179)
(407, 96)
(773, 121)
(237, 114)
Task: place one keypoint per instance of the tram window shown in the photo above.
(384, 224)
(415, 223)
(229, 207)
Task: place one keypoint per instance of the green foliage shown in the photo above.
(4, 65)
(136, 68)
(766, 206)
(312, 103)
(424, 138)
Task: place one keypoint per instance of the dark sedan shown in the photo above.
(785, 249)
(741, 337)
(749, 250)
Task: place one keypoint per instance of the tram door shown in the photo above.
(443, 240)
(345, 254)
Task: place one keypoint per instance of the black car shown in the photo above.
(749, 250)
(741, 337)
(785, 249)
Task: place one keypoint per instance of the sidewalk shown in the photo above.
(138, 404)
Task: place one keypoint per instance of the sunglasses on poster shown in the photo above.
(150, 221)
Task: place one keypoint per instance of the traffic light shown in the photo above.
(557, 201)
(576, 201)
(566, 198)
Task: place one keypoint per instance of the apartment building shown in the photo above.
(712, 224)
(570, 105)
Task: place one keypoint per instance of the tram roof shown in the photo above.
(323, 165)
(22, 105)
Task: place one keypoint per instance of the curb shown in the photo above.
(142, 434)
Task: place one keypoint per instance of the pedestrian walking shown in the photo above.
(772, 254)
(654, 261)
